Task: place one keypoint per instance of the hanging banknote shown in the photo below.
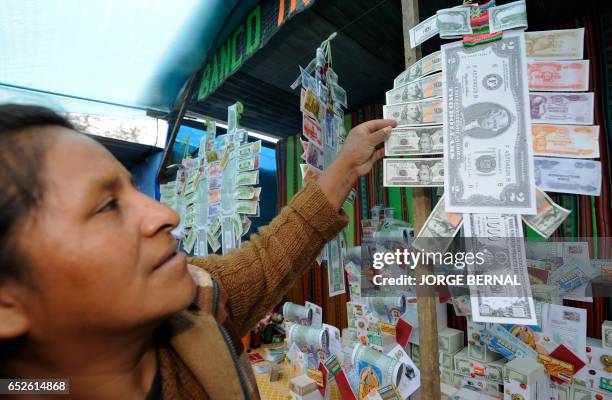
(424, 112)
(550, 215)
(488, 157)
(454, 22)
(562, 108)
(424, 88)
(559, 76)
(575, 141)
(508, 16)
(425, 66)
(421, 140)
(423, 31)
(413, 172)
(439, 230)
(565, 44)
(335, 269)
(499, 238)
(566, 175)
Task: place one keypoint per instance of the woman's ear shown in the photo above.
(14, 321)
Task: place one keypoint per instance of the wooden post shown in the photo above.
(426, 299)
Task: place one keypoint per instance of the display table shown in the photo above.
(278, 390)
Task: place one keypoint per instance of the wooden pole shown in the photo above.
(421, 201)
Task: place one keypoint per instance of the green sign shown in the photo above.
(255, 31)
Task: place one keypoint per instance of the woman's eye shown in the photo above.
(112, 205)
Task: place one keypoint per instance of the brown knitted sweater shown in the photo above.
(200, 352)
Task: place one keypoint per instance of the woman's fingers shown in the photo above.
(378, 124)
(379, 136)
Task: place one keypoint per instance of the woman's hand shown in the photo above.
(359, 153)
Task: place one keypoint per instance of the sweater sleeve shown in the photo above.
(257, 275)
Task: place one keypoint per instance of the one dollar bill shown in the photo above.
(421, 172)
(424, 112)
(439, 230)
(420, 140)
(508, 16)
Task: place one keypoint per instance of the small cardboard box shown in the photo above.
(450, 340)
(302, 385)
(523, 370)
(447, 360)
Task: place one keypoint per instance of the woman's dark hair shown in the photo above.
(22, 150)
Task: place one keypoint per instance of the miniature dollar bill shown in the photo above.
(424, 112)
(566, 175)
(559, 76)
(423, 172)
(248, 207)
(564, 44)
(573, 141)
(422, 140)
(247, 164)
(246, 224)
(423, 88)
(249, 148)
(423, 31)
(454, 22)
(439, 229)
(499, 238)
(213, 241)
(247, 193)
(425, 66)
(487, 138)
(549, 217)
(562, 108)
(247, 178)
(508, 16)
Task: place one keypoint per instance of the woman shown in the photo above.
(92, 287)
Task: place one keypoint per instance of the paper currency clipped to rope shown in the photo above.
(475, 23)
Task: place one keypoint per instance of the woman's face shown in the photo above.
(101, 253)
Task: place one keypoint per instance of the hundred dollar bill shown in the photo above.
(550, 215)
(566, 175)
(562, 108)
(575, 141)
(488, 154)
(420, 140)
(508, 16)
(425, 66)
(247, 178)
(439, 230)
(424, 112)
(429, 86)
(423, 31)
(499, 239)
(559, 76)
(565, 44)
(454, 22)
(424, 172)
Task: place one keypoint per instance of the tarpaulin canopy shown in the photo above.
(135, 53)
